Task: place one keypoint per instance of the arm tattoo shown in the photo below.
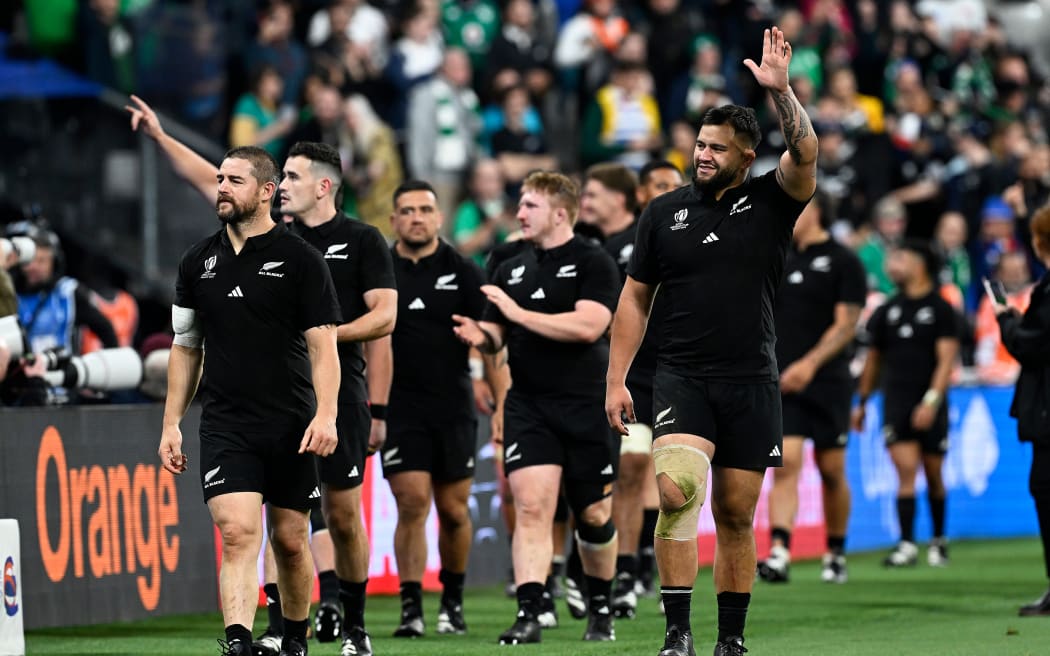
(794, 123)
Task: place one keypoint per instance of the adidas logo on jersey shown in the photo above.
(316, 494)
(538, 294)
(607, 471)
(353, 472)
(710, 238)
(445, 282)
(236, 292)
(417, 304)
(775, 453)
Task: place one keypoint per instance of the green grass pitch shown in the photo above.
(969, 608)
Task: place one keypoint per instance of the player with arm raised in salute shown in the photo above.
(716, 249)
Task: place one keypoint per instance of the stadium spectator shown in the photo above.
(364, 26)
(108, 43)
(998, 235)
(949, 242)
(519, 149)
(995, 365)
(275, 45)
(1027, 338)
(914, 343)
(670, 28)
(414, 58)
(889, 222)
(256, 120)
(372, 162)
(518, 47)
(471, 26)
(622, 123)
(444, 123)
(486, 217)
(323, 120)
(586, 45)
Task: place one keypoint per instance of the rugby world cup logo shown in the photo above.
(10, 588)
(679, 219)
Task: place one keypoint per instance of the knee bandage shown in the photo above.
(687, 467)
(593, 538)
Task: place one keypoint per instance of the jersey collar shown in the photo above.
(324, 230)
(258, 242)
(558, 251)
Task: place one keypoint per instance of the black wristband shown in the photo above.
(378, 411)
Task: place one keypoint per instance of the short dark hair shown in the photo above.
(412, 185)
(655, 165)
(315, 151)
(618, 178)
(922, 248)
(264, 166)
(742, 119)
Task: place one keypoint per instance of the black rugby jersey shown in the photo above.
(551, 281)
(719, 262)
(254, 307)
(905, 331)
(430, 362)
(643, 368)
(359, 259)
(815, 281)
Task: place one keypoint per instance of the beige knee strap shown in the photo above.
(687, 467)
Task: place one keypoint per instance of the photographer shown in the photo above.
(52, 306)
(1027, 338)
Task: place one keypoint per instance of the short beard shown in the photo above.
(237, 214)
(416, 245)
(720, 181)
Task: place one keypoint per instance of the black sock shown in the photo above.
(329, 586)
(732, 613)
(937, 515)
(677, 600)
(837, 544)
(412, 595)
(1042, 510)
(295, 629)
(452, 587)
(238, 633)
(273, 608)
(781, 535)
(598, 592)
(627, 564)
(906, 517)
(529, 597)
(557, 566)
(645, 541)
(352, 594)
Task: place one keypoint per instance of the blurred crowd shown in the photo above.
(931, 114)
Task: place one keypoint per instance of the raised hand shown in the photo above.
(143, 117)
(772, 73)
